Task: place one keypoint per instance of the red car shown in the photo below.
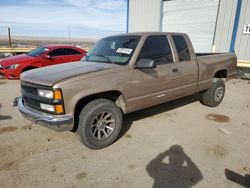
(12, 67)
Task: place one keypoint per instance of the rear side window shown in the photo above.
(157, 47)
(73, 52)
(57, 52)
(182, 48)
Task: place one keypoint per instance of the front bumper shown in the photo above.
(55, 122)
(8, 74)
(2, 76)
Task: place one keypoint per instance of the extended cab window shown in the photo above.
(57, 52)
(157, 48)
(182, 48)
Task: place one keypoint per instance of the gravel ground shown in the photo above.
(179, 144)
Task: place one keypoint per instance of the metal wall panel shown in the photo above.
(225, 23)
(197, 18)
(242, 44)
(144, 15)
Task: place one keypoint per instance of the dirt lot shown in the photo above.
(179, 144)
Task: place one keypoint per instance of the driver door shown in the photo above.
(153, 86)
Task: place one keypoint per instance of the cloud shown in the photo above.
(101, 5)
(40, 2)
(111, 5)
(79, 3)
(87, 17)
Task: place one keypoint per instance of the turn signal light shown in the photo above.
(59, 109)
(57, 95)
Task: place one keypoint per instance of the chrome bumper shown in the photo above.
(55, 122)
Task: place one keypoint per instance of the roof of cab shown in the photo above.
(147, 33)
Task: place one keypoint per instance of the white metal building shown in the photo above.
(212, 25)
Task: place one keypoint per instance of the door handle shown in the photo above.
(175, 70)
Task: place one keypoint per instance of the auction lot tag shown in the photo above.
(124, 50)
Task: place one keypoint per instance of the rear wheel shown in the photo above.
(215, 94)
(100, 123)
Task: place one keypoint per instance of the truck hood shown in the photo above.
(18, 59)
(53, 74)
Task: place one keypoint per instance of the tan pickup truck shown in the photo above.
(119, 75)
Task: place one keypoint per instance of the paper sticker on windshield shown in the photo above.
(124, 50)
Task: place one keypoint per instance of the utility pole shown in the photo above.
(69, 33)
(9, 37)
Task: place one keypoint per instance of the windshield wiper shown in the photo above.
(105, 57)
(86, 57)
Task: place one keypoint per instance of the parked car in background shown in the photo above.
(4, 55)
(12, 67)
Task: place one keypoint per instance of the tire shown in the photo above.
(215, 94)
(100, 123)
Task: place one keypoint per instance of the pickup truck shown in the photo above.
(119, 75)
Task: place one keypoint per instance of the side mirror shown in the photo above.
(47, 57)
(145, 64)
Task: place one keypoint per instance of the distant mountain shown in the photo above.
(30, 41)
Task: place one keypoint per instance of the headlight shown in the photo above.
(45, 93)
(12, 67)
(52, 108)
(56, 95)
(47, 107)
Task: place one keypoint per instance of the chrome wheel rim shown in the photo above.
(103, 126)
(219, 92)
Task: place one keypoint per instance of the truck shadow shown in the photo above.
(173, 168)
(4, 117)
(148, 112)
(238, 178)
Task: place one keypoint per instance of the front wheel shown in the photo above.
(215, 94)
(100, 123)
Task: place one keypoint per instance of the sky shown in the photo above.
(61, 18)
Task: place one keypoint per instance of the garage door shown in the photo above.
(197, 18)
(242, 45)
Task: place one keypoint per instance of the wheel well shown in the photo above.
(221, 74)
(28, 68)
(114, 96)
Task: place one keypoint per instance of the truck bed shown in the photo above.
(215, 58)
(205, 54)
(210, 63)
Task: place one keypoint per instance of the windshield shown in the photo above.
(38, 51)
(117, 50)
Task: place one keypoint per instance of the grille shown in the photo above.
(30, 95)
(30, 90)
(31, 103)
